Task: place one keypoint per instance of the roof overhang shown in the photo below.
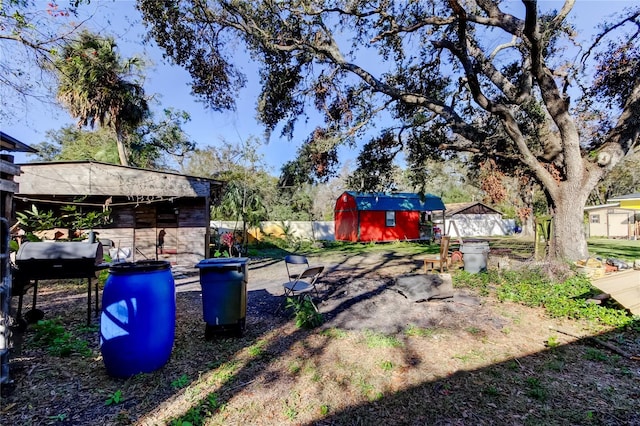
(9, 143)
(627, 197)
(602, 206)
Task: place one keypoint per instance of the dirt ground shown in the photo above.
(359, 294)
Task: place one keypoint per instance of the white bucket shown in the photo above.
(475, 256)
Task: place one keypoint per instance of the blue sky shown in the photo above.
(170, 83)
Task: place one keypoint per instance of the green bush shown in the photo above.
(305, 312)
(533, 287)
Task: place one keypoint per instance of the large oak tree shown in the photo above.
(488, 78)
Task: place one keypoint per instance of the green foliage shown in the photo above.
(115, 398)
(593, 354)
(418, 101)
(180, 382)
(50, 334)
(291, 413)
(95, 85)
(305, 312)
(491, 390)
(69, 217)
(149, 144)
(257, 349)
(552, 342)
(619, 249)
(376, 170)
(73, 144)
(36, 220)
(197, 415)
(617, 72)
(532, 287)
(479, 282)
(413, 330)
(157, 140)
(386, 365)
(535, 389)
(31, 32)
(334, 333)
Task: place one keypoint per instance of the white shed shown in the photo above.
(475, 219)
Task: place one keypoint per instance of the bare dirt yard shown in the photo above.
(378, 358)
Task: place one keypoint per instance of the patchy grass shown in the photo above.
(511, 362)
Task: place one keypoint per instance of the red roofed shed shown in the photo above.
(381, 217)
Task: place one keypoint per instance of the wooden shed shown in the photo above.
(382, 217)
(153, 214)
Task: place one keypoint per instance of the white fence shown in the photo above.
(316, 230)
(467, 226)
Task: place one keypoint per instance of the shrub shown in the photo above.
(535, 287)
(305, 312)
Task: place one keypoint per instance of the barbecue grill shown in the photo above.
(57, 260)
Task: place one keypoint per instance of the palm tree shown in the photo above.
(243, 202)
(93, 86)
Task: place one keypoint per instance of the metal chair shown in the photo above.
(304, 282)
(291, 261)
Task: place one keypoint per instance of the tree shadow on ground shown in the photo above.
(522, 389)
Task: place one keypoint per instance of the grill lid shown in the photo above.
(60, 250)
(50, 260)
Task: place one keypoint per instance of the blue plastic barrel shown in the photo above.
(137, 325)
(224, 295)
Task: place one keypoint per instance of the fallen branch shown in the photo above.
(601, 342)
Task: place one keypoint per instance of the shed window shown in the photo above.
(391, 218)
(595, 218)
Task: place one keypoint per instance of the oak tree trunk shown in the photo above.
(569, 241)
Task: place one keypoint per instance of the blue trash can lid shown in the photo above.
(139, 266)
(222, 262)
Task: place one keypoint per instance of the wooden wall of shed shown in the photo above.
(185, 221)
(8, 186)
(136, 227)
(192, 245)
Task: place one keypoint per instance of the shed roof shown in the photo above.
(9, 143)
(396, 201)
(96, 178)
(474, 207)
(601, 206)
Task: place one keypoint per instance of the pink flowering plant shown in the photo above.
(227, 240)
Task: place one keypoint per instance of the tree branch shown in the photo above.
(625, 134)
(609, 29)
(554, 102)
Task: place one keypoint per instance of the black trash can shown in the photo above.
(224, 295)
